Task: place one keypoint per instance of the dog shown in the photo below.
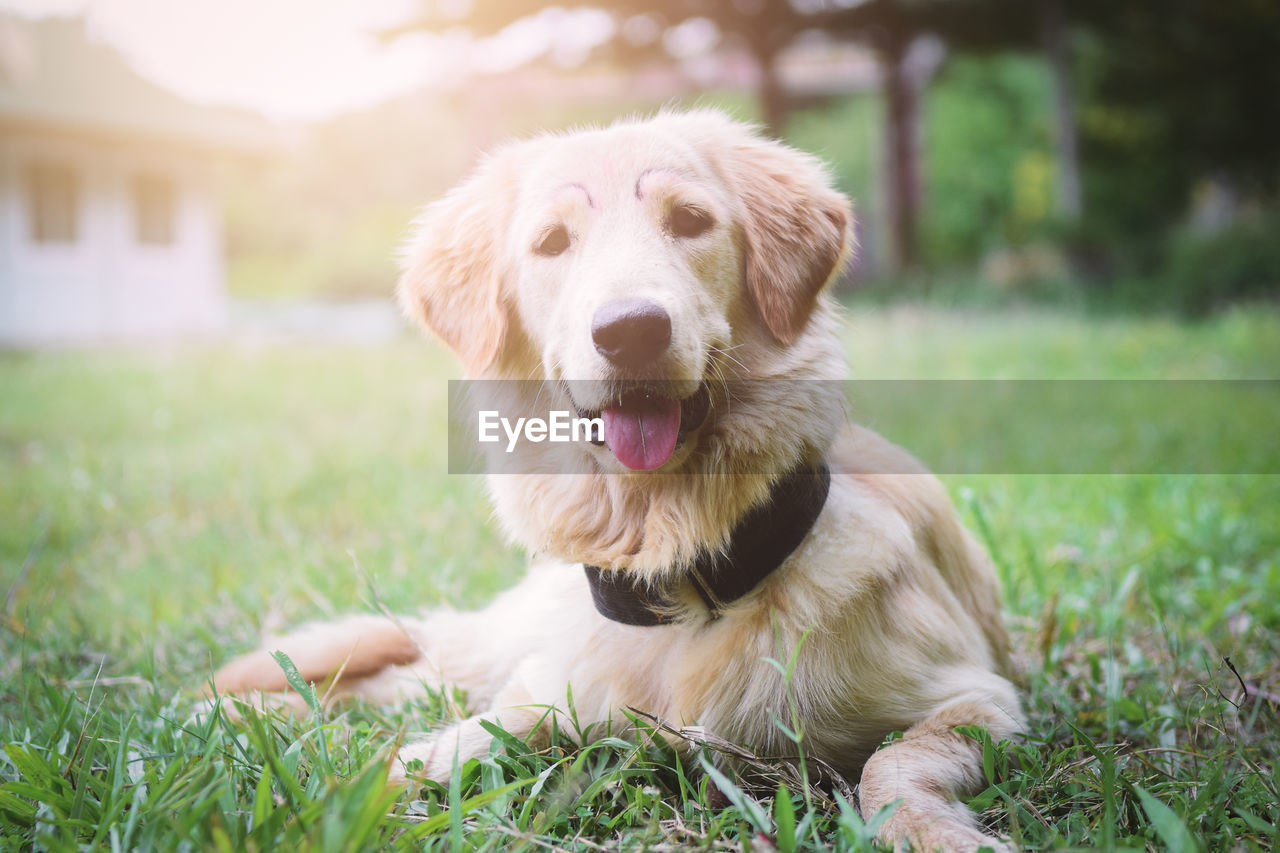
(669, 277)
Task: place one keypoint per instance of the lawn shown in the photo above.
(162, 507)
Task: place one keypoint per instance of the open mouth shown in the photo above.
(644, 424)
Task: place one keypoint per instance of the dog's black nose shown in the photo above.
(631, 333)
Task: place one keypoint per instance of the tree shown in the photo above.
(1055, 34)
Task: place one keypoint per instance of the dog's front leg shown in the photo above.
(523, 707)
(928, 770)
(435, 757)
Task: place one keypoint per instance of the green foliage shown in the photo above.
(160, 506)
(846, 135)
(1207, 272)
(988, 166)
(1177, 90)
(1171, 95)
(988, 162)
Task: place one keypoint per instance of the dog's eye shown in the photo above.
(552, 242)
(685, 220)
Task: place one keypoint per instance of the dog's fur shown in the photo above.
(899, 604)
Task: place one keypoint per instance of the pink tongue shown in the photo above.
(643, 434)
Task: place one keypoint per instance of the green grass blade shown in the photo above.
(1172, 831)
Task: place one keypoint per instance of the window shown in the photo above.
(153, 209)
(53, 202)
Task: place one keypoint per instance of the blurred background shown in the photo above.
(170, 169)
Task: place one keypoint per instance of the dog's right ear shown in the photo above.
(797, 229)
(452, 280)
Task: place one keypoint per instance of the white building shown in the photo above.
(109, 227)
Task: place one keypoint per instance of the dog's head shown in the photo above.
(632, 266)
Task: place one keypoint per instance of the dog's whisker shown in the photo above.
(724, 352)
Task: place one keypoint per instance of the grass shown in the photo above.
(161, 508)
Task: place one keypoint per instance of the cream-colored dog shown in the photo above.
(667, 277)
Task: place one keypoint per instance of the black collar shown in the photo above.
(760, 542)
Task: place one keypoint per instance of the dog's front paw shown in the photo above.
(958, 839)
(429, 758)
(987, 842)
(938, 832)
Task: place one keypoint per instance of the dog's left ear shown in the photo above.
(797, 229)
